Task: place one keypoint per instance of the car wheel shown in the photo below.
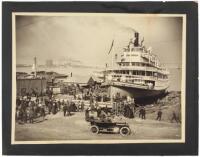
(124, 131)
(94, 129)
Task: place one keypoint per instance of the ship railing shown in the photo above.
(143, 86)
(153, 69)
(133, 67)
(125, 84)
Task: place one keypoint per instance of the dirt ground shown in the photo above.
(58, 127)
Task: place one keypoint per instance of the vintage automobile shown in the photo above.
(99, 125)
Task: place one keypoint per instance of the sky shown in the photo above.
(87, 39)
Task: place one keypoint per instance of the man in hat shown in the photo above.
(65, 109)
(143, 113)
(175, 117)
(159, 115)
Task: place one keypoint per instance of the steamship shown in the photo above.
(137, 72)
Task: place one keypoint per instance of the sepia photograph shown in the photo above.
(98, 78)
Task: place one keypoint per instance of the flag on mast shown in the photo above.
(111, 47)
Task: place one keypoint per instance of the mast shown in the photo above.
(111, 93)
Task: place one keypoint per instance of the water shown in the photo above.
(78, 73)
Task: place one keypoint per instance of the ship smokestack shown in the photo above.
(136, 42)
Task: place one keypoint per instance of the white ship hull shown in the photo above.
(135, 91)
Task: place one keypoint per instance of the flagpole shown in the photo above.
(111, 81)
(111, 95)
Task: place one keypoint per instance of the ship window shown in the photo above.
(134, 73)
(137, 64)
(143, 73)
(149, 73)
(126, 64)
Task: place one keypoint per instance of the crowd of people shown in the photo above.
(28, 109)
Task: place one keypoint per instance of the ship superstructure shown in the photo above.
(137, 71)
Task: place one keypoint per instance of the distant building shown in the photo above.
(59, 79)
(31, 86)
(94, 81)
(77, 80)
(49, 63)
(20, 75)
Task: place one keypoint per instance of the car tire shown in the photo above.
(94, 129)
(124, 131)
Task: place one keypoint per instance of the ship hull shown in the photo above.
(140, 95)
